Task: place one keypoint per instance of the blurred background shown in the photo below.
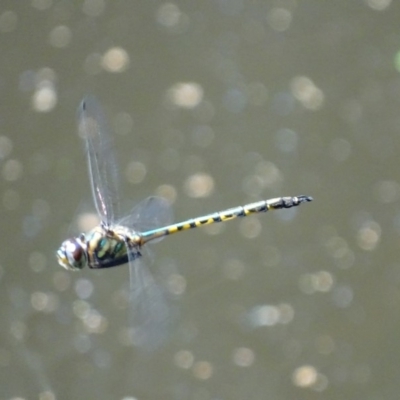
(212, 105)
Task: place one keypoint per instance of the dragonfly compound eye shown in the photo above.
(72, 255)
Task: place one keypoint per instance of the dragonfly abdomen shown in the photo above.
(226, 215)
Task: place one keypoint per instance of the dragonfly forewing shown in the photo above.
(103, 173)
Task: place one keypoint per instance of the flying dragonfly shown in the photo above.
(120, 241)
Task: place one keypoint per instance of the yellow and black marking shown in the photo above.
(226, 215)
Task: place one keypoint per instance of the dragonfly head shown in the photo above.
(72, 254)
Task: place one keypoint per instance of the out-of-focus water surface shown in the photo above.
(212, 104)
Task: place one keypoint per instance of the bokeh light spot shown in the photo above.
(115, 60)
(60, 36)
(378, 5)
(185, 94)
(184, 359)
(202, 370)
(307, 93)
(135, 172)
(6, 147)
(12, 170)
(305, 376)
(279, 19)
(243, 357)
(168, 192)
(368, 235)
(199, 185)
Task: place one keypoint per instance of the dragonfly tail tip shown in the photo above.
(304, 199)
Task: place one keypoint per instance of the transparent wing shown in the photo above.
(150, 316)
(103, 172)
(153, 212)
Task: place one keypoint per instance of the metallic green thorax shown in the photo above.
(108, 247)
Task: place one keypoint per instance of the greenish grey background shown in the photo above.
(306, 88)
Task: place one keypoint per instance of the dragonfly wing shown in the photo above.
(103, 172)
(153, 212)
(149, 312)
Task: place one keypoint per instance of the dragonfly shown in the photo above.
(116, 242)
